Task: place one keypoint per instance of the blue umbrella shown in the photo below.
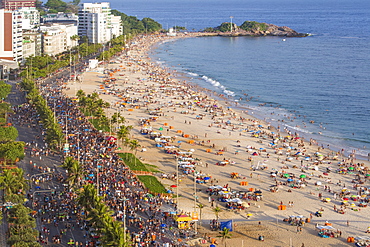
(163, 225)
(212, 245)
(207, 178)
(290, 180)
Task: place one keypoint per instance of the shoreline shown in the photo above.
(220, 128)
(260, 113)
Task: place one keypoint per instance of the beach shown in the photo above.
(197, 131)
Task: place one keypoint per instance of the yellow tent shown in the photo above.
(183, 221)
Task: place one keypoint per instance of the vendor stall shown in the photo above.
(183, 221)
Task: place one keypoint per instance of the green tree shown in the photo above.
(14, 185)
(224, 234)
(200, 206)
(254, 26)
(5, 90)
(123, 132)
(12, 151)
(4, 110)
(22, 227)
(217, 210)
(74, 170)
(8, 133)
(133, 145)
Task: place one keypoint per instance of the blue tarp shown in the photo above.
(227, 224)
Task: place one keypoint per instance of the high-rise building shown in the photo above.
(11, 35)
(16, 4)
(30, 18)
(116, 29)
(94, 22)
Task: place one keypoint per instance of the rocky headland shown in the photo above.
(252, 28)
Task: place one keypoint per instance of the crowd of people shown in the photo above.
(144, 213)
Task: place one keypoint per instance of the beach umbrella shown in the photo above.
(302, 176)
(163, 225)
(249, 214)
(353, 205)
(290, 180)
(327, 199)
(173, 186)
(286, 175)
(207, 178)
(351, 168)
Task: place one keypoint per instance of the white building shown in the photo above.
(57, 38)
(30, 18)
(116, 29)
(95, 22)
(11, 35)
(31, 43)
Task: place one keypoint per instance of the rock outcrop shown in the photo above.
(261, 29)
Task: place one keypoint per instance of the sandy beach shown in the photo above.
(210, 138)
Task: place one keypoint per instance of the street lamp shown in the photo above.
(124, 217)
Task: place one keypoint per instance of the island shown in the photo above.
(253, 28)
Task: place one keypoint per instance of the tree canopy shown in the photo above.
(8, 133)
(4, 90)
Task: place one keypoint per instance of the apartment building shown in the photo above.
(30, 18)
(11, 35)
(16, 4)
(95, 22)
(32, 45)
(57, 37)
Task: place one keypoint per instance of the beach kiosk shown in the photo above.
(183, 221)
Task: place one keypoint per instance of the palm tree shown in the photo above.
(74, 38)
(134, 144)
(14, 185)
(124, 132)
(224, 234)
(75, 174)
(114, 235)
(88, 197)
(80, 94)
(217, 210)
(200, 206)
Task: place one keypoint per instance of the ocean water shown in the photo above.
(323, 78)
